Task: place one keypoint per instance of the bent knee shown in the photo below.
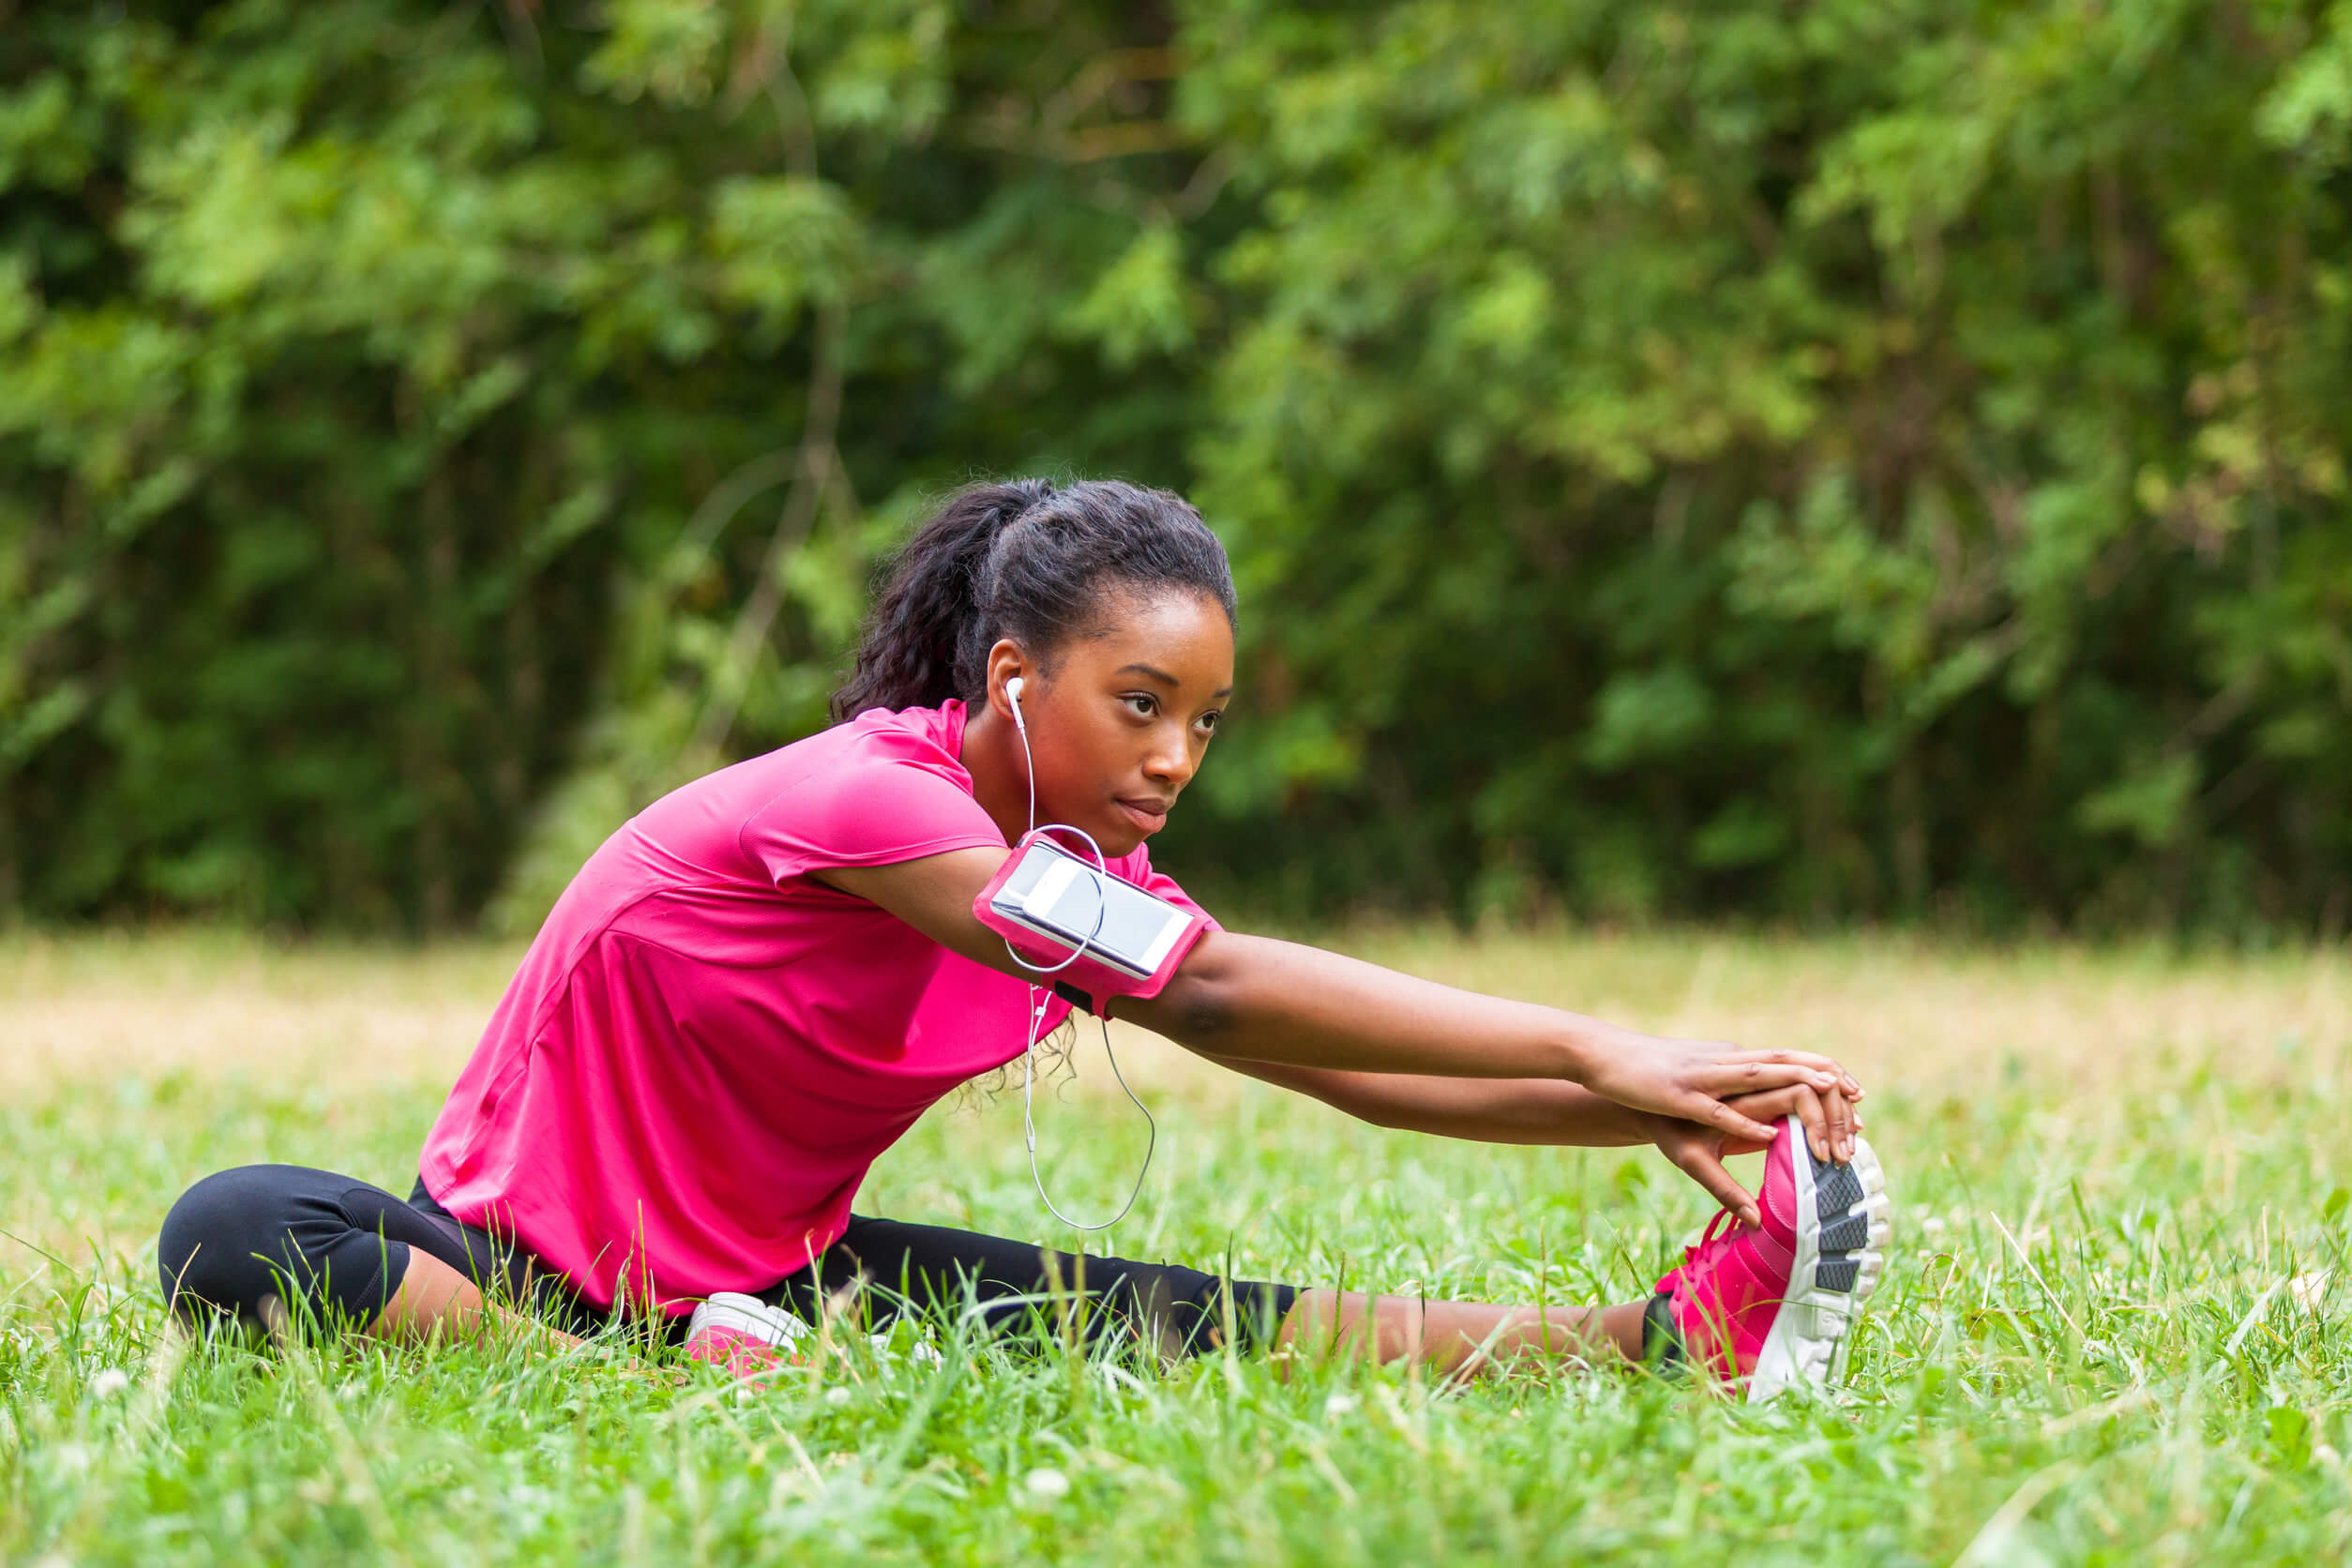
(214, 1250)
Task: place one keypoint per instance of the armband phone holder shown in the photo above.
(1096, 933)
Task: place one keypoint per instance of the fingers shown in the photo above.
(1798, 1100)
(1815, 1121)
(1755, 1075)
(1838, 1125)
(1826, 1067)
(1692, 1079)
(1695, 1160)
(1716, 1114)
(1830, 1120)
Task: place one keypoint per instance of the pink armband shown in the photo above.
(1088, 980)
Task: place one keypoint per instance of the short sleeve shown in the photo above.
(868, 806)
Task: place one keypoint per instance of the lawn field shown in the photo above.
(2118, 1327)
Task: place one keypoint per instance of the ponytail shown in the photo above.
(908, 658)
(1024, 559)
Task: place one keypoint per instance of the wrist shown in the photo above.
(1628, 1129)
(1584, 1046)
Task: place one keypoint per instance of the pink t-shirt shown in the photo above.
(706, 1048)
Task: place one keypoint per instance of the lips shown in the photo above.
(1149, 815)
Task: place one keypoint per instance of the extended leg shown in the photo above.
(1457, 1336)
(1176, 1310)
(1761, 1308)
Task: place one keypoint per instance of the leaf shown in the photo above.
(1141, 304)
(1649, 716)
(2150, 805)
(2290, 1436)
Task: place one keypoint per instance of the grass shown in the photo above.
(2117, 1329)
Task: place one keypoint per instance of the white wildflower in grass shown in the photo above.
(1046, 1484)
(838, 1396)
(1338, 1404)
(108, 1382)
(896, 1343)
(2309, 1290)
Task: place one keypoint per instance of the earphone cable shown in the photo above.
(1033, 1027)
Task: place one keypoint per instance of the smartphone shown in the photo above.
(1058, 896)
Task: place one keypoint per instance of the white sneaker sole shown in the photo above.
(748, 1316)
(1845, 1220)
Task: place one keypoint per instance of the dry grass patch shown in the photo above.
(86, 1007)
(1905, 1014)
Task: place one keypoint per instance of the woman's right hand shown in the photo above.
(1691, 1080)
(1700, 1151)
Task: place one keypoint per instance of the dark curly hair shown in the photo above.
(1026, 560)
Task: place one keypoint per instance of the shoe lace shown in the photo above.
(1706, 1238)
(1696, 1257)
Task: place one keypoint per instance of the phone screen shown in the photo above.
(1060, 895)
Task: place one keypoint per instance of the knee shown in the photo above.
(213, 1242)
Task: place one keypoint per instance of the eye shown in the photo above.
(1143, 702)
(1210, 720)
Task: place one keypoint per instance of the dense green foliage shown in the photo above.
(1868, 457)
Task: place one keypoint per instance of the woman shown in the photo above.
(760, 982)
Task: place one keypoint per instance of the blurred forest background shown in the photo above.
(1856, 460)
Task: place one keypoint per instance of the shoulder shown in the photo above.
(882, 787)
(926, 737)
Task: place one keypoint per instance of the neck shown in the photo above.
(999, 775)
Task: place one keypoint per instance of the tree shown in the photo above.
(1854, 459)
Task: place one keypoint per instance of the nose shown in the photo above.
(1170, 761)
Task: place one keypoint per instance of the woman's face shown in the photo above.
(1119, 723)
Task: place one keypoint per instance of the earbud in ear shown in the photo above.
(1013, 692)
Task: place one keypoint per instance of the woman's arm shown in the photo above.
(1256, 1000)
(1545, 1111)
(1252, 998)
(1483, 1111)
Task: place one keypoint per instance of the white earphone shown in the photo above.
(1038, 997)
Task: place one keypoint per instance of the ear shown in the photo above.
(1007, 662)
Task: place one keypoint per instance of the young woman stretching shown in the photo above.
(759, 982)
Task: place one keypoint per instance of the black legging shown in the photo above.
(335, 1249)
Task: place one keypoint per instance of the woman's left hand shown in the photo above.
(1699, 1152)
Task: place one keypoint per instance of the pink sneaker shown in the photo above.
(1771, 1306)
(744, 1335)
